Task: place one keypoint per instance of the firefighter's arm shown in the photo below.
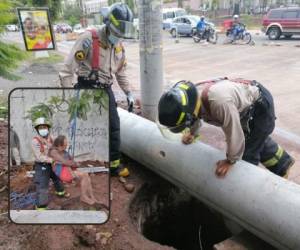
(38, 155)
(229, 116)
(78, 54)
(193, 134)
(121, 75)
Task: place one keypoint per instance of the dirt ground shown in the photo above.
(118, 233)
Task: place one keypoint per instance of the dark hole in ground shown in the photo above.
(167, 215)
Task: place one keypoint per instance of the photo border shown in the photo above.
(19, 9)
(110, 196)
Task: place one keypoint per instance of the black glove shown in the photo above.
(130, 101)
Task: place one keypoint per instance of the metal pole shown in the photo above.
(259, 201)
(151, 66)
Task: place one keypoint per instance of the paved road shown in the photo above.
(275, 64)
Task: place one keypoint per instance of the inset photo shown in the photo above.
(59, 156)
(36, 29)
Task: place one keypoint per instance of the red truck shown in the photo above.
(282, 22)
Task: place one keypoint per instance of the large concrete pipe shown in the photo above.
(261, 202)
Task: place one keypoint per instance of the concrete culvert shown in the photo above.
(167, 215)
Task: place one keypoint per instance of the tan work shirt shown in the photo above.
(112, 61)
(40, 152)
(227, 100)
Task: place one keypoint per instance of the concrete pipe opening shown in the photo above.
(169, 216)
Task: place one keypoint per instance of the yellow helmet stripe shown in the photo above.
(114, 20)
(180, 118)
(183, 98)
(183, 86)
(183, 103)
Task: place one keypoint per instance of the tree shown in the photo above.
(54, 6)
(72, 14)
(10, 55)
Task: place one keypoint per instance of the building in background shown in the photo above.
(94, 6)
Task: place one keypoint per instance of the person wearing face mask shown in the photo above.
(42, 164)
(98, 55)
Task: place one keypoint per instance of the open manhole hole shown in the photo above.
(167, 215)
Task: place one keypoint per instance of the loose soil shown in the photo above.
(118, 233)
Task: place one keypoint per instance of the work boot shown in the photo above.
(120, 171)
(41, 208)
(288, 165)
(63, 194)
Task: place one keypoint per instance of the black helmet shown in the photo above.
(202, 18)
(176, 107)
(119, 20)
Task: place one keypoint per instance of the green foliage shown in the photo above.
(72, 14)
(54, 6)
(40, 110)
(81, 107)
(6, 14)
(10, 55)
(3, 108)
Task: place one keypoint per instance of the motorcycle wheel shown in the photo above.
(213, 38)
(196, 38)
(247, 38)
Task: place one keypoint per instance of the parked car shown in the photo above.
(63, 28)
(78, 29)
(169, 14)
(282, 22)
(11, 27)
(184, 25)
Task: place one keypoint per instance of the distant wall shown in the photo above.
(91, 135)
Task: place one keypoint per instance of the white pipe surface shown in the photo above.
(261, 202)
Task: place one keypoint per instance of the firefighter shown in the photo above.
(43, 164)
(243, 109)
(98, 55)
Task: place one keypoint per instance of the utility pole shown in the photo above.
(151, 66)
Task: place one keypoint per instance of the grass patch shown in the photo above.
(53, 58)
(3, 106)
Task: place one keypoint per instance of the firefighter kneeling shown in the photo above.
(243, 109)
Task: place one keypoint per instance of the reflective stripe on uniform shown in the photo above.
(274, 160)
(115, 164)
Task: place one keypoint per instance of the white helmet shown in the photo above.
(41, 121)
(236, 17)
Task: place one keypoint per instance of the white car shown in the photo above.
(78, 29)
(11, 27)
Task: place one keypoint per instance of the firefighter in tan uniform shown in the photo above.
(243, 109)
(97, 71)
(43, 164)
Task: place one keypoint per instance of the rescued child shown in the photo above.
(65, 168)
(43, 164)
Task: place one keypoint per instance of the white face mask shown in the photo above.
(43, 132)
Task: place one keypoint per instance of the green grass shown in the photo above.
(3, 107)
(53, 58)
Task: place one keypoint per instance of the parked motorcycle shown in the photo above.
(243, 37)
(209, 34)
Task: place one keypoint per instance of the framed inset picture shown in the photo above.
(36, 28)
(59, 156)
